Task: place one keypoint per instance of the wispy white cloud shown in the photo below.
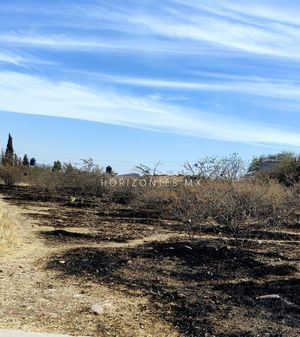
(95, 45)
(249, 28)
(275, 40)
(179, 27)
(36, 95)
(214, 82)
(52, 41)
(276, 11)
(23, 60)
(239, 10)
(10, 58)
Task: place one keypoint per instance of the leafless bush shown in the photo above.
(277, 205)
(87, 181)
(239, 204)
(226, 168)
(90, 221)
(46, 183)
(156, 198)
(10, 174)
(123, 195)
(235, 205)
(71, 181)
(188, 209)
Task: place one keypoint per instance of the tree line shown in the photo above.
(10, 158)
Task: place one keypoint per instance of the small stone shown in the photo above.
(97, 309)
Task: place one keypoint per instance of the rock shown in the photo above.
(97, 309)
(102, 307)
(270, 296)
(277, 297)
(180, 295)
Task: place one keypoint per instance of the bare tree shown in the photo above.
(145, 170)
(226, 168)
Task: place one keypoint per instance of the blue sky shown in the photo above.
(136, 81)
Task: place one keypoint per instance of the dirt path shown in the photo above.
(19, 333)
(36, 299)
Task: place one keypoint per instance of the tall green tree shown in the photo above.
(25, 160)
(8, 158)
(57, 166)
(254, 165)
(9, 147)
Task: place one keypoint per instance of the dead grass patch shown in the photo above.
(8, 235)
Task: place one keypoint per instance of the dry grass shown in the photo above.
(236, 205)
(8, 237)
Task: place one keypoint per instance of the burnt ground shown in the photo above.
(208, 286)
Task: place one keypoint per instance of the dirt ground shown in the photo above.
(146, 275)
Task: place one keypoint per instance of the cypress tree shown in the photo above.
(25, 160)
(9, 147)
(9, 153)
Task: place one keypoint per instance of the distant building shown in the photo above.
(108, 170)
(268, 165)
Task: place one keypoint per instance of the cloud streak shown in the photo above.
(179, 27)
(39, 96)
(276, 40)
(257, 86)
(90, 44)
(12, 59)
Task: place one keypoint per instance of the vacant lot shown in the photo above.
(145, 274)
